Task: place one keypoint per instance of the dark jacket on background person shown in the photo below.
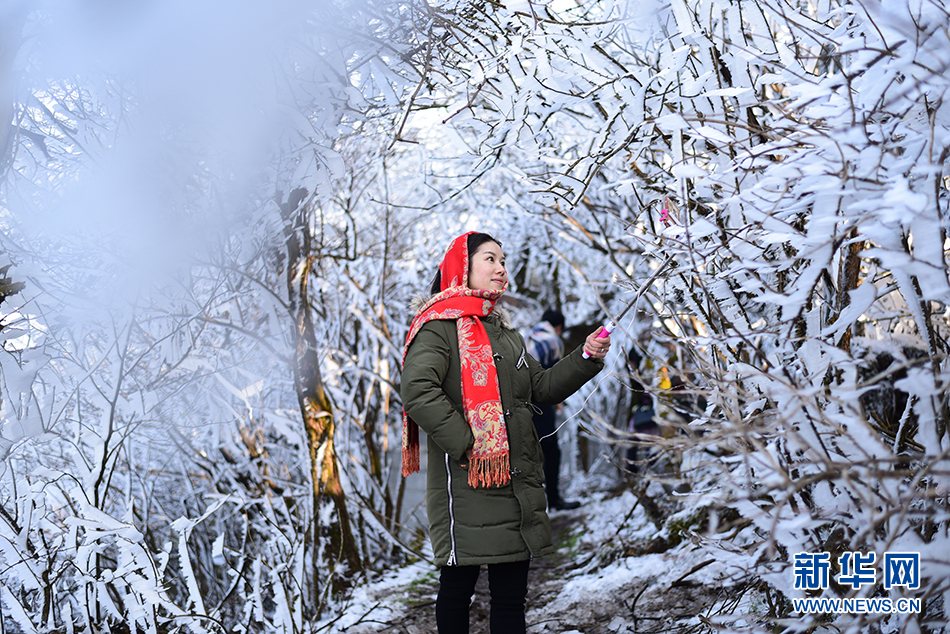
(545, 345)
(470, 526)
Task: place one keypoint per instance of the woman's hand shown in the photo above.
(595, 346)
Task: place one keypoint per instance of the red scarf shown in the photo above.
(481, 398)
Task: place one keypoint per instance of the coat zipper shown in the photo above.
(452, 554)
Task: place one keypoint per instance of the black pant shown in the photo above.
(638, 456)
(544, 421)
(552, 469)
(508, 584)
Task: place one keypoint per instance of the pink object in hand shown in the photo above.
(606, 329)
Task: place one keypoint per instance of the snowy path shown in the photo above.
(603, 579)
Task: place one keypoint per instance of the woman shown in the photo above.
(469, 383)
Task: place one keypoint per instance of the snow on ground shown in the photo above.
(380, 602)
(616, 590)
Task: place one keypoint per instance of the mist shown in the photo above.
(178, 111)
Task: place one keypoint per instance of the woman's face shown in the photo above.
(487, 271)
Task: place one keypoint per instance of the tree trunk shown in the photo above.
(338, 544)
(849, 275)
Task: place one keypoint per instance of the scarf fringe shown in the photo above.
(489, 471)
(410, 447)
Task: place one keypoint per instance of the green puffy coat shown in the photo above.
(468, 525)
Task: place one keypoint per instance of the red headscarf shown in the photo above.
(480, 394)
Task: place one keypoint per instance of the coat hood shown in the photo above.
(500, 315)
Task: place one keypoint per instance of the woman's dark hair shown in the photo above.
(475, 240)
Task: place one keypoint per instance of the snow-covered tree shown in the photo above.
(219, 216)
(169, 436)
(790, 161)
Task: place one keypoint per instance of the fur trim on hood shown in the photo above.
(500, 315)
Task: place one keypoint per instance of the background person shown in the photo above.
(545, 344)
(468, 382)
(643, 419)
